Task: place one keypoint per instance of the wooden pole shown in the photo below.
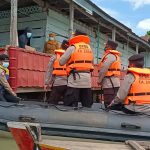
(71, 18)
(13, 24)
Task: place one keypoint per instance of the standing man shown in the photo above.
(6, 92)
(51, 45)
(134, 94)
(24, 39)
(109, 72)
(56, 76)
(79, 60)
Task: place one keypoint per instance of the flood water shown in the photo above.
(7, 142)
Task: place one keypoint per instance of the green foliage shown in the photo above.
(148, 32)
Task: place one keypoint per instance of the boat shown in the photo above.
(89, 123)
(28, 137)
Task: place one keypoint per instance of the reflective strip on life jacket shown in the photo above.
(115, 67)
(139, 92)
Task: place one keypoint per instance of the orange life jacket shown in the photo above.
(82, 58)
(57, 69)
(114, 68)
(139, 92)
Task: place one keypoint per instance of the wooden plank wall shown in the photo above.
(37, 21)
(44, 23)
(59, 24)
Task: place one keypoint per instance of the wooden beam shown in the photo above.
(71, 6)
(13, 24)
(135, 145)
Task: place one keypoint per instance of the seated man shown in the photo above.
(134, 94)
(6, 92)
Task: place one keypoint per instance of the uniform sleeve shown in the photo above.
(49, 76)
(124, 88)
(45, 45)
(66, 56)
(107, 62)
(5, 84)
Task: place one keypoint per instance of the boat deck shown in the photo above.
(84, 144)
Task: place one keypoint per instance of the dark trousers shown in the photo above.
(109, 95)
(6, 96)
(74, 95)
(57, 94)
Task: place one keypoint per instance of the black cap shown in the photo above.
(136, 57)
(111, 44)
(4, 57)
(28, 29)
(64, 44)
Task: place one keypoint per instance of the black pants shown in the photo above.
(109, 95)
(74, 95)
(57, 94)
(6, 96)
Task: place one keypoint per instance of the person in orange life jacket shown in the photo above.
(133, 95)
(6, 92)
(56, 76)
(109, 72)
(79, 61)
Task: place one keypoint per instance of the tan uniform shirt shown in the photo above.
(105, 81)
(83, 80)
(123, 92)
(50, 46)
(50, 78)
(4, 82)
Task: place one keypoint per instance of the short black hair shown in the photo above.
(111, 44)
(78, 32)
(137, 60)
(4, 57)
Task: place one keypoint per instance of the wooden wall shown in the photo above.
(44, 23)
(33, 17)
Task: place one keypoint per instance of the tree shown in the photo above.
(13, 24)
(148, 32)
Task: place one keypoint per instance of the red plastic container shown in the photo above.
(27, 68)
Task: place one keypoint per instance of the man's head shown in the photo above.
(78, 32)
(28, 32)
(64, 44)
(136, 60)
(52, 36)
(111, 45)
(4, 60)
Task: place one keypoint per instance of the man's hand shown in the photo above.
(45, 87)
(99, 84)
(111, 104)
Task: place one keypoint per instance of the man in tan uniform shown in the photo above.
(56, 76)
(6, 92)
(132, 96)
(109, 72)
(51, 44)
(79, 60)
